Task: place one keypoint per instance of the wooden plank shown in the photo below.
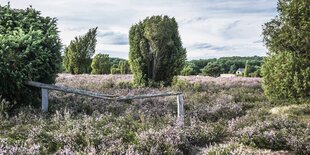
(147, 96)
(44, 99)
(70, 90)
(180, 118)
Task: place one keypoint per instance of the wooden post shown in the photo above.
(44, 99)
(180, 119)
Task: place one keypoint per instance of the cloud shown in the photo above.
(258, 41)
(208, 28)
(111, 37)
(200, 46)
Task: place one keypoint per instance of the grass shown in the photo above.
(222, 116)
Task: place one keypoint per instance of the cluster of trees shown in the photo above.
(224, 65)
(29, 50)
(286, 70)
(78, 59)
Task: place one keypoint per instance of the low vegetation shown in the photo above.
(222, 115)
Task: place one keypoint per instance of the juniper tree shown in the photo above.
(29, 51)
(77, 56)
(246, 69)
(286, 71)
(156, 51)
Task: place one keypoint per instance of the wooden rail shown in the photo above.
(45, 87)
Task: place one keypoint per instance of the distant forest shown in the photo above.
(223, 65)
(210, 67)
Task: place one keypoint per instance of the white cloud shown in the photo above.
(229, 27)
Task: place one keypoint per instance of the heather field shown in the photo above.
(222, 116)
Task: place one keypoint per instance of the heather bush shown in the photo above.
(170, 140)
(218, 111)
(277, 134)
(233, 148)
(201, 134)
(29, 51)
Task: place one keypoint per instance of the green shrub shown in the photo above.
(115, 70)
(101, 64)
(286, 76)
(124, 67)
(190, 69)
(29, 51)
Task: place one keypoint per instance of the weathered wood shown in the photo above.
(70, 90)
(180, 118)
(44, 99)
(45, 87)
(147, 96)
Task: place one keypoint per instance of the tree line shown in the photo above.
(224, 65)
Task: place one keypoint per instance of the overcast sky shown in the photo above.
(208, 28)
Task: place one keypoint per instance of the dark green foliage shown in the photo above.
(119, 66)
(287, 69)
(289, 31)
(233, 68)
(124, 67)
(257, 72)
(190, 69)
(101, 64)
(212, 69)
(202, 62)
(29, 50)
(286, 75)
(156, 52)
(226, 65)
(77, 56)
(116, 61)
(115, 69)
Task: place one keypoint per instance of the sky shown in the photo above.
(208, 28)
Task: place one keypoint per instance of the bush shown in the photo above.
(124, 67)
(190, 69)
(212, 69)
(115, 70)
(29, 51)
(101, 64)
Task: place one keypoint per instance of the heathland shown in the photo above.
(222, 116)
